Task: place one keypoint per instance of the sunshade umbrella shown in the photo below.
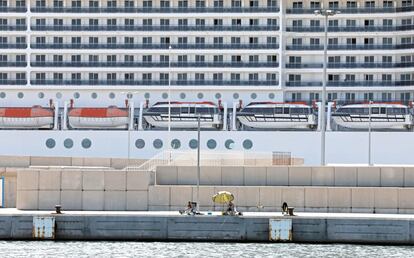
(223, 197)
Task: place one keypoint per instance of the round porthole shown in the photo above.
(147, 95)
(193, 144)
(218, 96)
(20, 95)
(271, 95)
(86, 143)
(182, 95)
(2, 95)
(236, 96)
(76, 95)
(94, 95)
(157, 144)
(111, 95)
(59, 95)
(140, 143)
(165, 95)
(211, 144)
(229, 144)
(253, 95)
(68, 143)
(247, 144)
(41, 95)
(175, 144)
(50, 143)
(200, 95)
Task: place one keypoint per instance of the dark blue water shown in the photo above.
(184, 249)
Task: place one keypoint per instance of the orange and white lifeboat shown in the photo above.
(26, 117)
(98, 118)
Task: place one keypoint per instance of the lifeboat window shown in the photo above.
(383, 110)
(211, 144)
(286, 111)
(298, 111)
(229, 144)
(157, 144)
(205, 110)
(247, 144)
(184, 110)
(193, 144)
(278, 110)
(140, 143)
(175, 110)
(175, 144)
(192, 110)
(397, 111)
(268, 110)
(374, 110)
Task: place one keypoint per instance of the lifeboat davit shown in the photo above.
(98, 118)
(26, 118)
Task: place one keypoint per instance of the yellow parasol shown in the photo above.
(223, 197)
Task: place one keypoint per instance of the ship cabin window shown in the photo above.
(279, 110)
(396, 111)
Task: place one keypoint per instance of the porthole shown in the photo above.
(165, 95)
(271, 95)
(50, 143)
(211, 144)
(229, 144)
(59, 95)
(253, 95)
(68, 143)
(236, 96)
(130, 95)
(140, 143)
(157, 144)
(41, 95)
(200, 95)
(94, 95)
(2, 95)
(111, 95)
(218, 96)
(86, 143)
(76, 95)
(247, 144)
(182, 95)
(20, 95)
(193, 144)
(175, 144)
(147, 95)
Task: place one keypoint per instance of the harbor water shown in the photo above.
(194, 249)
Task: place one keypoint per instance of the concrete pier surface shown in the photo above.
(251, 227)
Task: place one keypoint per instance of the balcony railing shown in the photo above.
(156, 10)
(154, 46)
(351, 29)
(153, 28)
(355, 10)
(351, 65)
(350, 83)
(153, 64)
(12, 64)
(19, 46)
(156, 82)
(13, 27)
(13, 9)
(13, 82)
(351, 47)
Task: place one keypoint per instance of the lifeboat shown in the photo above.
(184, 115)
(276, 115)
(98, 118)
(383, 116)
(26, 118)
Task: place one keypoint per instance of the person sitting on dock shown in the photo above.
(231, 210)
(190, 210)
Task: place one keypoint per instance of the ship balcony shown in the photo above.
(154, 46)
(13, 82)
(351, 47)
(152, 28)
(13, 27)
(154, 64)
(351, 65)
(12, 64)
(4, 9)
(155, 10)
(354, 10)
(349, 83)
(19, 46)
(352, 29)
(158, 82)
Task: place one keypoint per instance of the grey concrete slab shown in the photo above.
(5, 227)
(308, 230)
(21, 227)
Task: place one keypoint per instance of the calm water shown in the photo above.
(183, 249)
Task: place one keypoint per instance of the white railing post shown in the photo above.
(328, 116)
(131, 116)
(319, 105)
(55, 121)
(65, 116)
(140, 118)
(233, 120)
(225, 116)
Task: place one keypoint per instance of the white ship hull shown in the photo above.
(26, 122)
(98, 122)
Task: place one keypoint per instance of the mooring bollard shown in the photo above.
(58, 209)
(290, 211)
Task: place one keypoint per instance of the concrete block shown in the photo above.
(277, 176)
(294, 197)
(317, 210)
(115, 201)
(27, 200)
(339, 198)
(392, 176)
(248, 196)
(368, 176)
(339, 210)
(255, 176)
(10, 192)
(49, 179)
(270, 197)
(28, 179)
(316, 197)
(362, 210)
(323, 176)
(15, 161)
(139, 180)
(386, 211)
(300, 176)
(159, 196)
(385, 198)
(137, 200)
(205, 196)
(232, 175)
(405, 198)
(180, 195)
(115, 180)
(97, 162)
(50, 161)
(210, 175)
(362, 197)
(409, 176)
(93, 180)
(121, 163)
(187, 175)
(166, 175)
(71, 200)
(93, 200)
(345, 176)
(406, 211)
(48, 199)
(158, 208)
(71, 179)
(77, 161)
